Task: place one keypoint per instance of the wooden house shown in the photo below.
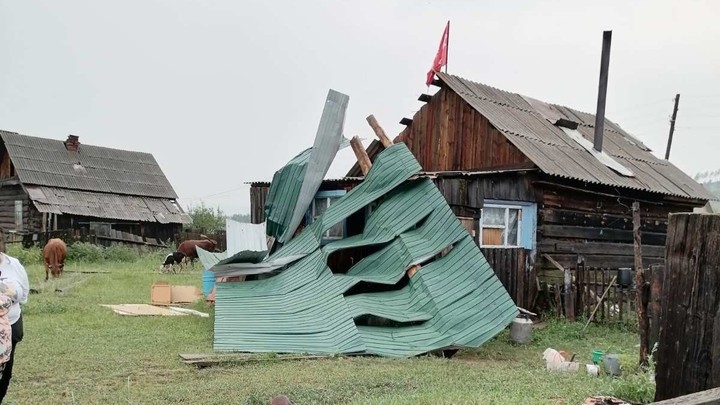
(525, 178)
(48, 185)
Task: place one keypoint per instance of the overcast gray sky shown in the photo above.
(224, 92)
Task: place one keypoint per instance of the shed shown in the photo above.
(49, 184)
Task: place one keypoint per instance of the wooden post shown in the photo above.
(689, 350)
(362, 156)
(569, 297)
(640, 296)
(379, 131)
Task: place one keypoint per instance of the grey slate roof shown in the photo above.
(555, 153)
(46, 162)
(102, 205)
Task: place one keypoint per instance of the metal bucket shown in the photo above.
(521, 330)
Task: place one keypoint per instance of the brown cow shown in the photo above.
(188, 248)
(54, 254)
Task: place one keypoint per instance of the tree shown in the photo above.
(241, 217)
(207, 219)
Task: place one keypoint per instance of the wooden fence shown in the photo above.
(219, 237)
(619, 302)
(109, 238)
(515, 270)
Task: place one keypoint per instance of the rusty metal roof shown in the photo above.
(102, 205)
(555, 153)
(46, 162)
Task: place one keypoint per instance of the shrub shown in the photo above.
(635, 388)
(119, 253)
(85, 252)
(25, 256)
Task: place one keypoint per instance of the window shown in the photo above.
(500, 226)
(323, 200)
(18, 215)
(469, 224)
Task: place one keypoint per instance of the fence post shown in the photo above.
(689, 349)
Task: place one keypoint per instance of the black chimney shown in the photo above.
(602, 91)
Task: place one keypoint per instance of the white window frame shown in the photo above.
(507, 220)
(328, 195)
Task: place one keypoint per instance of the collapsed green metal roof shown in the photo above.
(453, 300)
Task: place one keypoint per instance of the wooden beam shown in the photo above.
(707, 397)
(379, 131)
(362, 156)
(406, 121)
(640, 296)
(425, 98)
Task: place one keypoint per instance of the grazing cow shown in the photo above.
(54, 254)
(188, 248)
(172, 259)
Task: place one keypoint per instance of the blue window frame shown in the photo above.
(508, 224)
(321, 202)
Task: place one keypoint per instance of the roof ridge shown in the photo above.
(62, 141)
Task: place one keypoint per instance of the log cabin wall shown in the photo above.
(258, 196)
(12, 197)
(447, 134)
(577, 220)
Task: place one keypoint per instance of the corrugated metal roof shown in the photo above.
(101, 205)
(46, 162)
(455, 300)
(555, 153)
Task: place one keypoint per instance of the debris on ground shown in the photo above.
(605, 401)
(559, 360)
(166, 294)
(151, 310)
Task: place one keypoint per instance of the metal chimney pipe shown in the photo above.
(602, 91)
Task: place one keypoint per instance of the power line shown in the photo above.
(214, 195)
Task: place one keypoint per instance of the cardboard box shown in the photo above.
(166, 294)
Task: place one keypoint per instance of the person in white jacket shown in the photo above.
(14, 276)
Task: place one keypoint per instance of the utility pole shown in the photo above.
(672, 126)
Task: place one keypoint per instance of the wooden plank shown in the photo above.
(613, 262)
(604, 234)
(689, 349)
(207, 360)
(707, 397)
(654, 307)
(597, 248)
(600, 220)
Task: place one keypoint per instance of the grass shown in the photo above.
(77, 352)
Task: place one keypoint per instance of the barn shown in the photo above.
(533, 185)
(116, 195)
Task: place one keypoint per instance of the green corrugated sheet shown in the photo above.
(294, 186)
(454, 299)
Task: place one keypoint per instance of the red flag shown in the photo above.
(441, 57)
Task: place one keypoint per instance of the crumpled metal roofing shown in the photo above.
(101, 205)
(301, 178)
(557, 154)
(454, 299)
(46, 162)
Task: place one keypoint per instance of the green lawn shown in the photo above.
(76, 351)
